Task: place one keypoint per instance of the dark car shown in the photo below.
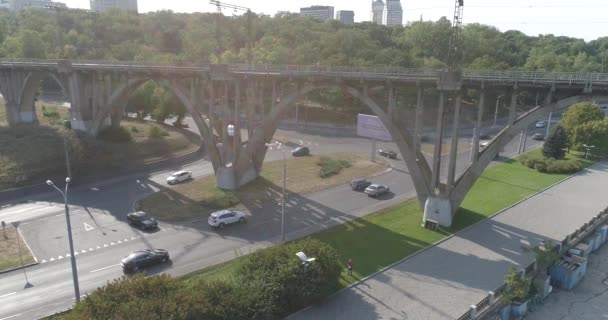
(144, 258)
(300, 152)
(486, 136)
(359, 184)
(388, 153)
(538, 136)
(142, 220)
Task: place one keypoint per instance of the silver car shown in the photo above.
(376, 190)
(179, 176)
(220, 219)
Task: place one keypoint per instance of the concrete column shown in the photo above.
(525, 139)
(477, 133)
(438, 143)
(454, 147)
(12, 113)
(521, 142)
(237, 122)
(274, 95)
(262, 106)
(419, 125)
(513, 107)
(391, 102)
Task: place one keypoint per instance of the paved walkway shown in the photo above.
(443, 281)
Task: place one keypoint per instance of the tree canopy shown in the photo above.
(285, 38)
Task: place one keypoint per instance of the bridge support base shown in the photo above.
(438, 209)
(228, 179)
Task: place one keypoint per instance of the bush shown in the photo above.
(116, 135)
(549, 165)
(281, 274)
(157, 297)
(330, 167)
(134, 129)
(49, 114)
(540, 167)
(156, 132)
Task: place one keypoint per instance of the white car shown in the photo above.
(540, 124)
(179, 176)
(220, 219)
(484, 144)
(376, 190)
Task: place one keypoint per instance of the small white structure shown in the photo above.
(305, 260)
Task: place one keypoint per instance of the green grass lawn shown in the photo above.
(383, 238)
(9, 250)
(33, 153)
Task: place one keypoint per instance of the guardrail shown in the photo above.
(506, 76)
(492, 302)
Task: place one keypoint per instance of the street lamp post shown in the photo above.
(71, 242)
(587, 149)
(279, 145)
(496, 109)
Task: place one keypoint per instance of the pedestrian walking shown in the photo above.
(349, 265)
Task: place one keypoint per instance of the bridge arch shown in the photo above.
(414, 159)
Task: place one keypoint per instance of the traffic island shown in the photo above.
(10, 257)
(199, 197)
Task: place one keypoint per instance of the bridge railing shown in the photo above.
(509, 76)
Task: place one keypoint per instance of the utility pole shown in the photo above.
(218, 34)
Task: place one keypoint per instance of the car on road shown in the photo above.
(300, 152)
(142, 259)
(376, 190)
(484, 144)
(541, 124)
(359, 184)
(179, 176)
(388, 153)
(142, 220)
(538, 136)
(486, 136)
(222, 218)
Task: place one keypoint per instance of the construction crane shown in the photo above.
(218, 35)
(455, 41)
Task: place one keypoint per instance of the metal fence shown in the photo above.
(396, 73)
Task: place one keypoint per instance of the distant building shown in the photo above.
(319, 12)
(22, 4)
(346, 16)
(377, 11)
(105, 5)
(393, 13)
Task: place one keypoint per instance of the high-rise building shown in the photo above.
(105, 5)
(346, 16)
(22, 4)
(393, 13)
(377, 11)
(319, 12)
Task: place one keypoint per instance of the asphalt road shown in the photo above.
(102, 237)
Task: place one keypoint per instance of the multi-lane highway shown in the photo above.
(102, 237)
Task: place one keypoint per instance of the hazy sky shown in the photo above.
(587, 19)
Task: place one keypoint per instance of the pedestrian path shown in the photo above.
(443, 281)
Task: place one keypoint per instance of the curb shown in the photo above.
(440, 241)
(19, 268)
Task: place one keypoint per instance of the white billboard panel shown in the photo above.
(371, 127)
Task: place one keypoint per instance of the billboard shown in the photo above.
(371, 127)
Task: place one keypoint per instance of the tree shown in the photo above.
(593, 133)
(518, 286)
(579, 114)
(556, 143)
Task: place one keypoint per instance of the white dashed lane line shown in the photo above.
(8, 294)
(104, 268)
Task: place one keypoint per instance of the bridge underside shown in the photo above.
(256, 101)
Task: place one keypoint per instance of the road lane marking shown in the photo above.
(105, 245)
(91, 249)
(52, 259)
(44, 261)
(60, 257)
(98, 247)
(15, 315)
(87, 227)
(104, 268)
(118, 241)
(112, 243)
(8, 294)
(84, 251)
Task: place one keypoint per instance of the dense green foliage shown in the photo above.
(593, 133)
(518, 286)
(116, 135)
(283, 39)
(556, 143)
(269, 284)
(577, 115)
(156, 132)
(330, 167)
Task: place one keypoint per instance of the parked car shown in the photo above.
(142, 220)
(144, 258)
(540, 124)
(179, 176)
(359, 184)
(538, 136)
(220, 219)
(388, 153)
(376, 190)
(484, 144)
(300, 152)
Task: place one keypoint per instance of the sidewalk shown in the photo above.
(443, 281)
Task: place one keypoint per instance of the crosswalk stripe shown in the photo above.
(43, 261)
